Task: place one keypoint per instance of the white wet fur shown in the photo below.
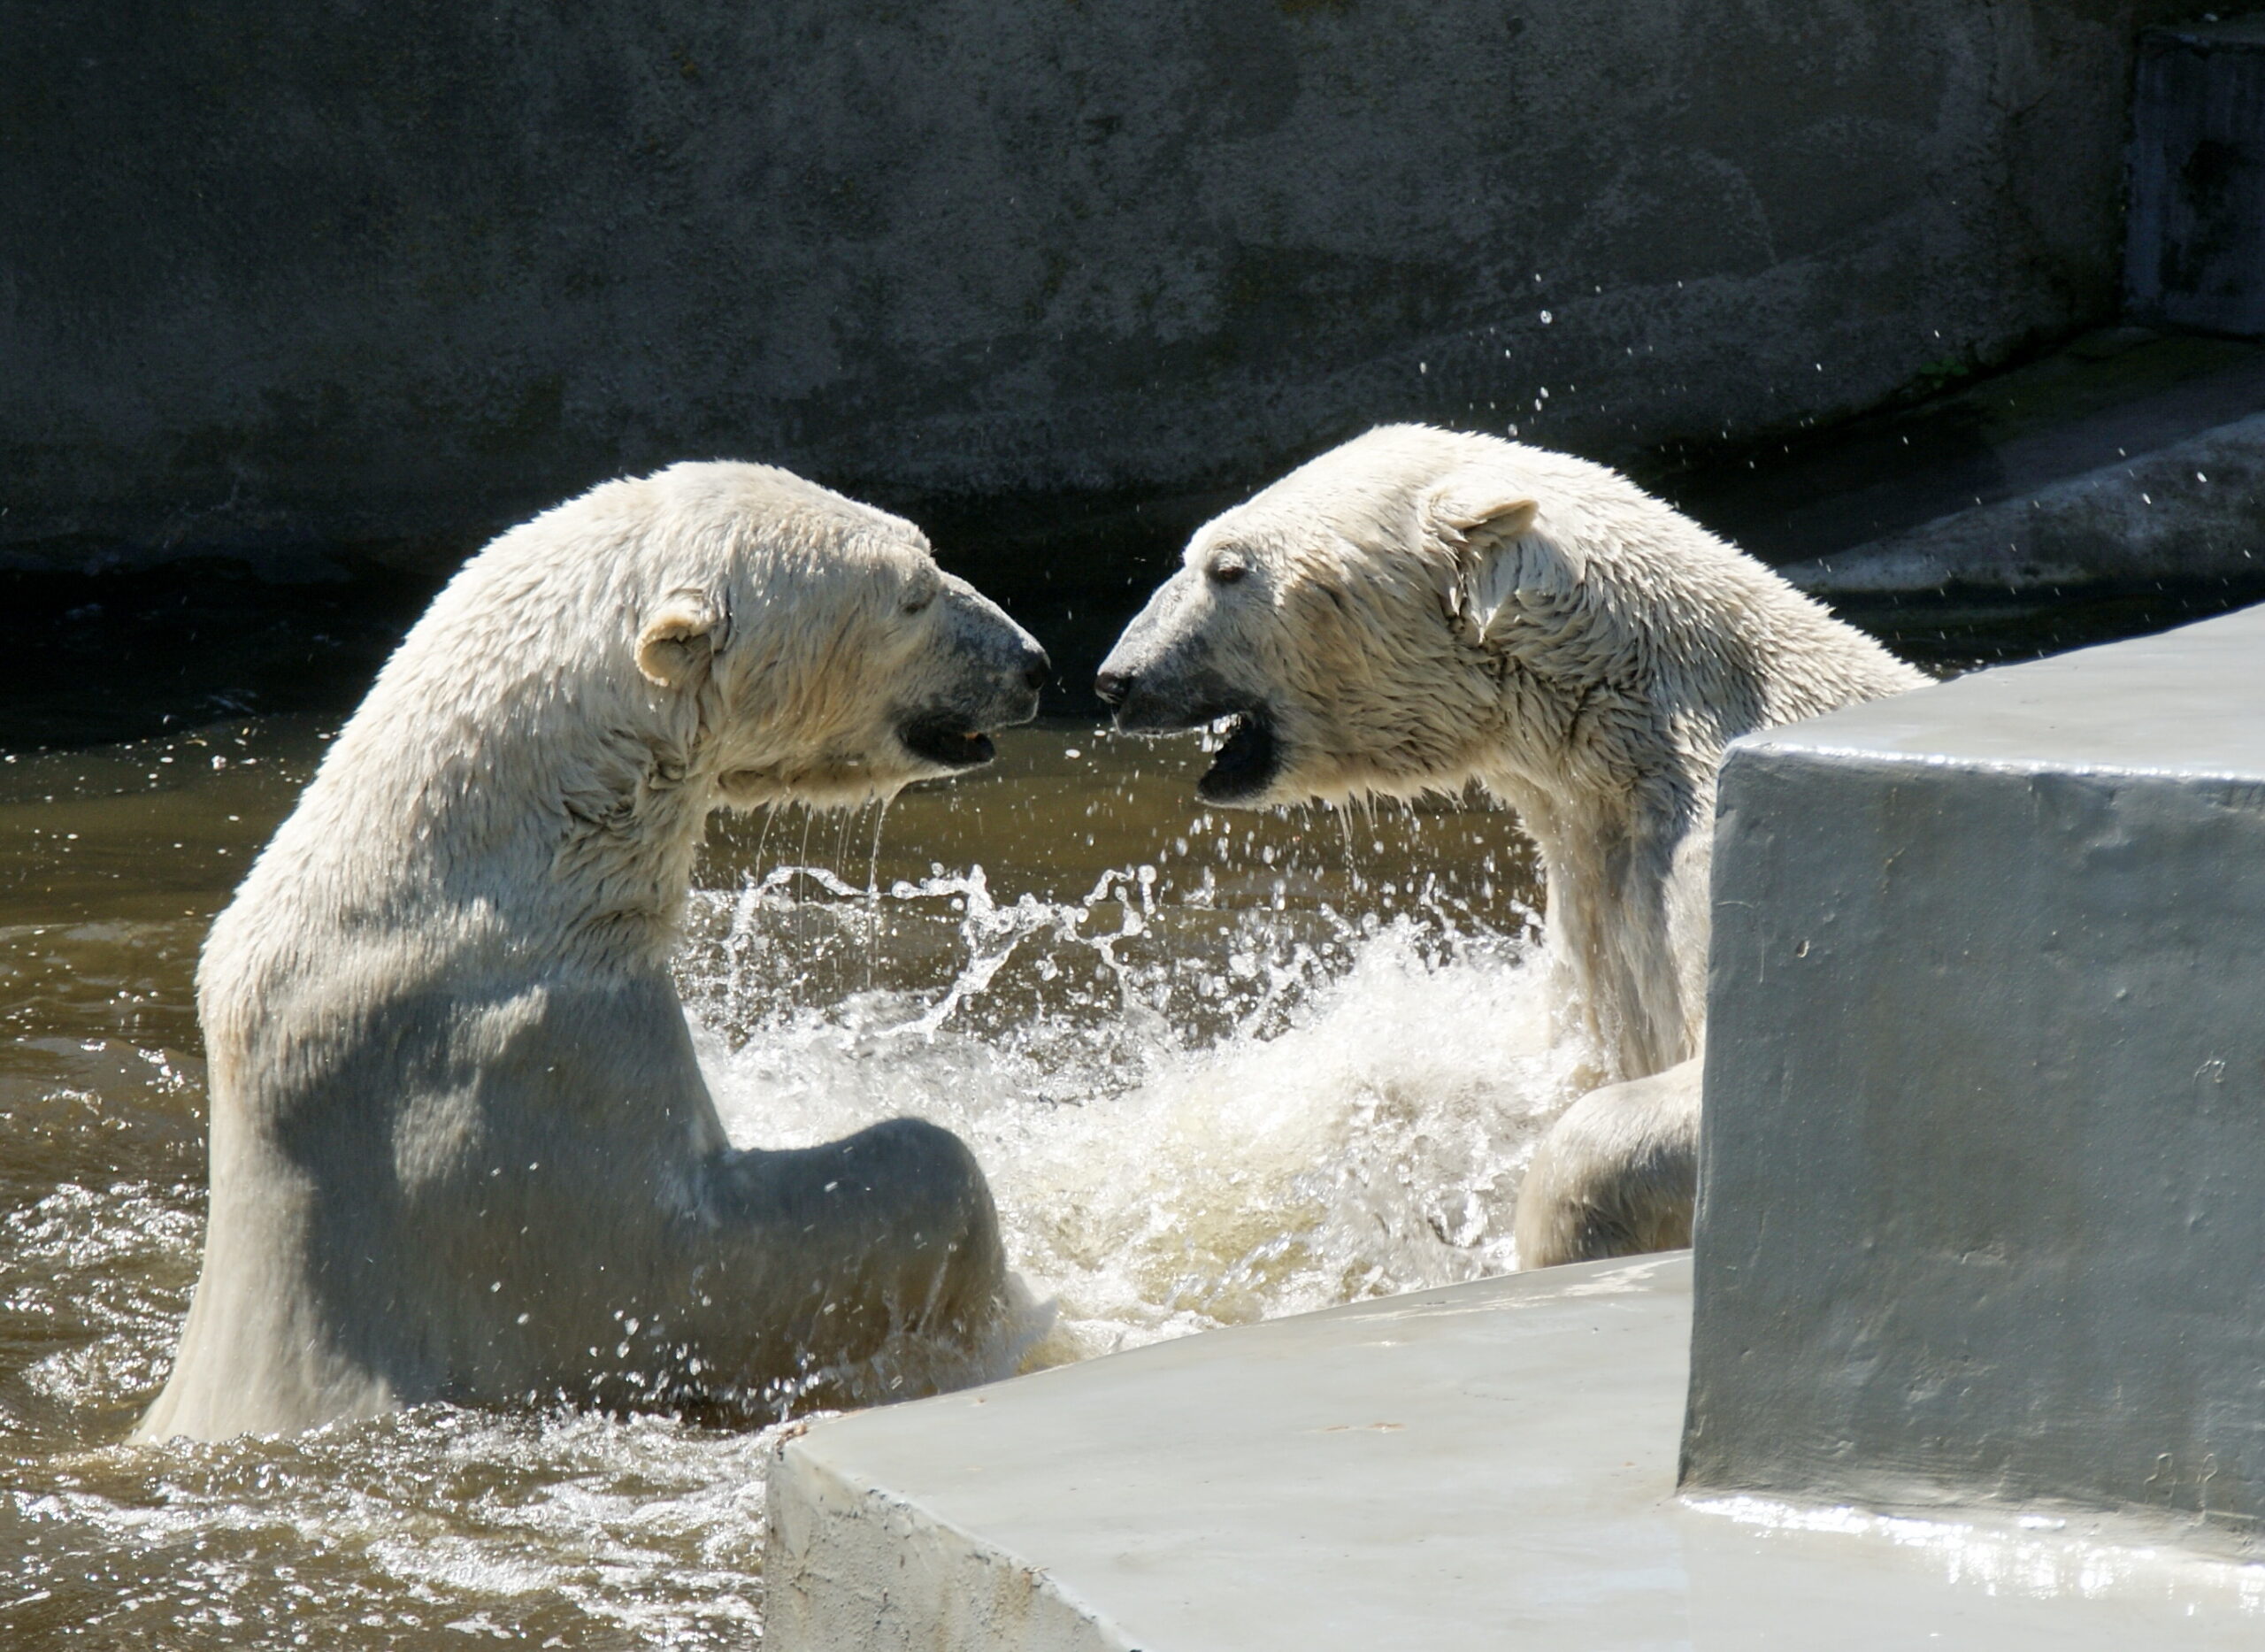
(1421, 609)
(461, 1145)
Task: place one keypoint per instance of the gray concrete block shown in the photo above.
(1983, 1181)
(2195, 253)
(1489, 1466)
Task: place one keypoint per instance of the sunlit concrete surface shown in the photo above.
(1983, 1186)
(1489, 1465)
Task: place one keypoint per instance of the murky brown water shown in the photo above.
(1218, 1068)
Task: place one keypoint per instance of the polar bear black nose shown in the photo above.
(1036, 669)
(1113, 686)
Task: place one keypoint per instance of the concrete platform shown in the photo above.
(1491, 1466)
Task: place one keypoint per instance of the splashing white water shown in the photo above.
(1190, 1117)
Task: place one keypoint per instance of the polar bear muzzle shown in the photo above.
(990, 678)
(1166, 676)
(1171, 694)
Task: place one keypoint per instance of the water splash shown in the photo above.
(1192, 1115)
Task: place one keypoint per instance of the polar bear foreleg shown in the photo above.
(1617, 1175)
(843, 1245)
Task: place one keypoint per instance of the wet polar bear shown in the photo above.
(1420, 608)
(460, 1147)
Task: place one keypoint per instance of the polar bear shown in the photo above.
(1419, 609)
(460, 1147)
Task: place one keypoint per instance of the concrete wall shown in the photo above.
(278, 271)
(1983, 1176)
(2197, 243)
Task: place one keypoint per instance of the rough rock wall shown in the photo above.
(276, 273)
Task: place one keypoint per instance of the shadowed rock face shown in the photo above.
(278, 277)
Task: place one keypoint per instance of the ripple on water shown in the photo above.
(416, 1529)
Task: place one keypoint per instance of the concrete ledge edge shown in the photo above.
(2190, 510)
(827, 1519)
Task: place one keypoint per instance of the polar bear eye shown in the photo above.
(917, 602)
(1228, 566)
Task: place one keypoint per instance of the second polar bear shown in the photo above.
(461, 1148)
(1420, 608)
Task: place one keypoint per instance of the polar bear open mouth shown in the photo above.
(951, 745)
(1248, 757)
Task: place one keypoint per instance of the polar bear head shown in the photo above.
(807, 646)
(712, 635)
(1337, 626)
(1420, 608)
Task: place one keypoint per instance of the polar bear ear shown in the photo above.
(1493, 559)
(674, 649)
